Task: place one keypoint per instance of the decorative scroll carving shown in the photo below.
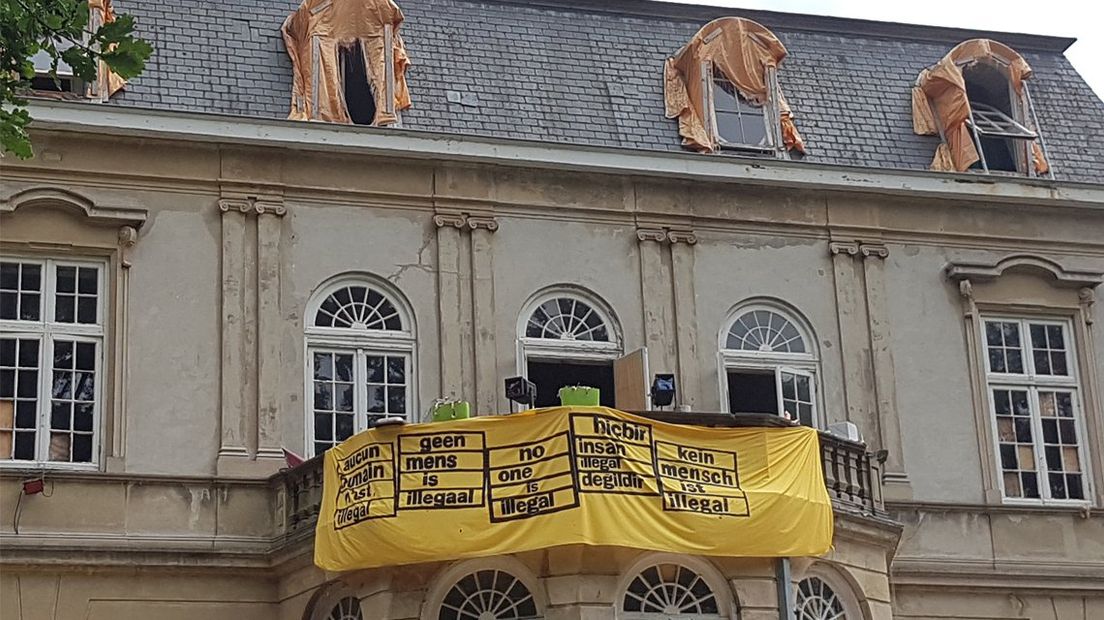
(966, 291)
(482, 223)
(682, 236)
(456, 220)
(270, 208)
(128, 236)
(1087, 297)
(849, 248)
(233, 204)
(651, 234)
(875, 250)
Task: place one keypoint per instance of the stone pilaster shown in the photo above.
(449, 303)
(483, 313)
(656, 295)
(689, 379)
(251, 423)
(855, 357)
(885, 380)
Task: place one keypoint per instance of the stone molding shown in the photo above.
(120, 215)
(667, 235)
(849, 248)
(873, 250)
(985, 271)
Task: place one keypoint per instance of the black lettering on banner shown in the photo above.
(425, 459)
(700, 480)
(366, 487)
(529, 479)
(613, 456)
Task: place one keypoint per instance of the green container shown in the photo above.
(451, 410)
(579, 396)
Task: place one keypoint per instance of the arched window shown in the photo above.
(816, 600)
(770, 364)
(977, 100)
(667, 590)
(488, 594)
(360, 360)
(723, 88)
(567, 338)
(347, 608)
(662, 586)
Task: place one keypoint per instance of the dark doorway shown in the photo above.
(987, 85)
(358, 91)
(550, 376)
(751, 391)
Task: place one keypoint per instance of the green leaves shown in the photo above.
(60, 29)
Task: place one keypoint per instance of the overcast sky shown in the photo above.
(1081, 19)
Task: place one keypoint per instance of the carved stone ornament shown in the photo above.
(682, 236)
(849, 248)
(485, 223)
(443, 220)
(651, 234)
(875, 250)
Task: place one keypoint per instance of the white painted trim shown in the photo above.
(114, 122)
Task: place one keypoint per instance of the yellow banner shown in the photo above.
(569, 475)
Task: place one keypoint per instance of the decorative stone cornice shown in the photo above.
(444, 220)
(682, 236)
(873, 250)
(849, 248)
(132, 216)
(482, 223)
(984, 271)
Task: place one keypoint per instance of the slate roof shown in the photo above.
(591, 73)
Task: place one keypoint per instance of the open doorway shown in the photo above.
(359, 100)
(551, 375)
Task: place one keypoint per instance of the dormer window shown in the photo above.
(348, 62)
(977, 100)
(62, 82)
(738, 124)
(992, 119)
(723, 88)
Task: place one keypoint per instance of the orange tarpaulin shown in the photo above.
(741, 50)
(316, 33)
(941, 90)
(108, 83)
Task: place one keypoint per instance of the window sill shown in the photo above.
(38, 468)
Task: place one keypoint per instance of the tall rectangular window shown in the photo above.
(1035, 404)
(351, 388)
(51, 359)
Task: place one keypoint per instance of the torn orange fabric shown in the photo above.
(939, 99)
(107, 82)
(314, 36)
(741, 50)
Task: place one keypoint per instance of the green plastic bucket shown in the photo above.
(579, 396)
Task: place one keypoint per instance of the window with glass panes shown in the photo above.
(51, 359)
(359, 351)
(1034, 398)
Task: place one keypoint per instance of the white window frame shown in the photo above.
(550, 349)
(1032, 383)
(727, 608)
(46, 331)
(361, 344)
(771, 113)
(802, 364)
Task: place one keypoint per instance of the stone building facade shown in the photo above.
(198, 284)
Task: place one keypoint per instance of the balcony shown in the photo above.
(850, 473)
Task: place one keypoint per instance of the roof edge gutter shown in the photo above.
(116, 121)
